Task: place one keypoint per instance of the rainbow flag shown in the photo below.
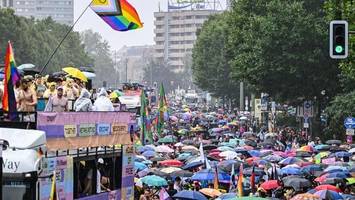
(10, 79)
(119, 14)
(240, 181)
(146, 133)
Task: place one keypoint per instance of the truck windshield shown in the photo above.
(17, 190)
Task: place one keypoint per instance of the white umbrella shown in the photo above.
(229, 155)
(164, 149)
(89, 75)
(26, 66)
(243, 118)
(179, 144)
(189, 148)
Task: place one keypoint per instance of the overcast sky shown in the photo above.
(145, 9)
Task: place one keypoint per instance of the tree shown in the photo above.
(211, 68)
(99, 50)
(281, 48)
(34, 41)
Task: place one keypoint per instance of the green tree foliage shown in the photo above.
(211, 69)
(282, 48)
(34, 41)
(99, 50)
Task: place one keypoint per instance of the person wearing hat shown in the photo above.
(57, 103)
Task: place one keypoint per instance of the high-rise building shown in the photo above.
(175, 32)
(61, 11)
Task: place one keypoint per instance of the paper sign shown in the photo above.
(87, 129)
(103, 129)
(119, 129)
(69, 131)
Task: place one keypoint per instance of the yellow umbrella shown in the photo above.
(210, 192)
(75, 73)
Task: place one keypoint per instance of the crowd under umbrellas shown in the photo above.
(216, 155)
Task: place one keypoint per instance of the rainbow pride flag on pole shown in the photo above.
(119, 14)
(10, 79)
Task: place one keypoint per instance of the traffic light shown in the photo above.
(338, 39)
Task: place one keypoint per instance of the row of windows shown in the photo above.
(184, 17)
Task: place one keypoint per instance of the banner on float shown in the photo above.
(127, 191)
(64, 177)
(71, 130)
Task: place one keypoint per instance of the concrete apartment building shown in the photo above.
(61, 11)
(175, 34)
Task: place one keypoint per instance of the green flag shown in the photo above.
(144, 118)
(163, 108)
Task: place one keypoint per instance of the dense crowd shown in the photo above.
(196, 147)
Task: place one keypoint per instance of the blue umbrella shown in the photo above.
(311, 168)
(289, 161)
(192, 165)
(254, 153)
(290, 171)
(189, 195)
(183, 156)
(334, 168)
(342, 154)
(227, 196)
(273, 158)
(145, 148)
(147, 162)
(322, 147)
(328, 194)
(348, 196)
(154, 180)
(338, 175)
(148, 154)
(139, 166)
(209, 174)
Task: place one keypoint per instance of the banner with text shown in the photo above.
(71, 130)
(127, 191)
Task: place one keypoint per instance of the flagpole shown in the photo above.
(65, 36)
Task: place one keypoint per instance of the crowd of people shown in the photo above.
(37, 93)
(196, 147)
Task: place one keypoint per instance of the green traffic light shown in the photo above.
(338, 49)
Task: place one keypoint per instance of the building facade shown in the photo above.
(175, 35)
(61, 11)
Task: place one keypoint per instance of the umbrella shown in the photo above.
(254, 153)
(296, 183)
(26, 66)
(352, 150)
(330, 142)
(183, 156)
(188, 142)
(229, 155)
(290, 160)
(182, 173)
(250, 198)
(334, 181)
(189, 195)
(189, 148)
(342, 154)
(290, 171)
(139, 166)
(154, 180)
(273, 158)
(328, 194)
(157, 159)
(257, 171)
(167, 140)
(350, 181)
(322, 147)
(225, 148)
(183, 131)
(89, 75)
(307, 148)
(179, 144)
(227, 196)
(210, 192)
(311, 168)
(169, 170)
(303, 154)
(306, 196)
(216, 130)
(75, 73)
(334, 168)
(269, 185)
(209, 174)
(209, 147)
(164, 149)
(146, 148)
(139, 158)
(147, 162)
(193, 165)
(157, 173)
(148, 154)
(328, 187)
(251, 143)
(171, 163)
(226, 165)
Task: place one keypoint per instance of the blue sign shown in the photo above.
(349, 123)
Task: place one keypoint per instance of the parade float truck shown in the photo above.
(131, 97)
(71, 155)
(191, 98)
